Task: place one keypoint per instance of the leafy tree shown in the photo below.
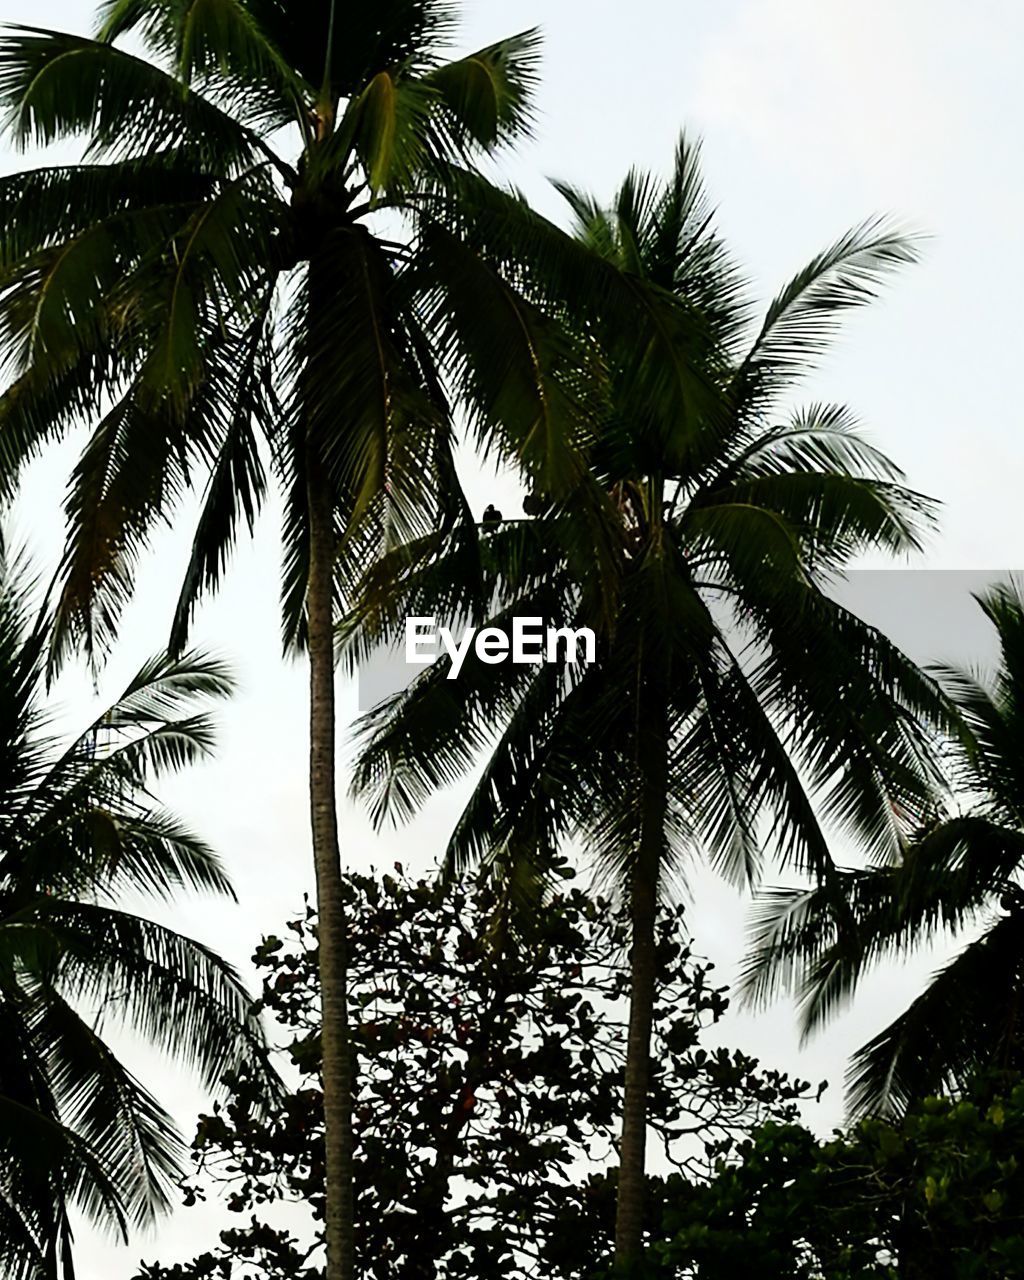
(732, 699)
(958, 876)
(267, 252)
(490, 1078)
(934, 1194)
(79, 829)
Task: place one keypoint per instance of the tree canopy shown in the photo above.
(935, 1193)
(490, 1070)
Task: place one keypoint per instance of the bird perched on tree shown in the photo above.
(492, 515)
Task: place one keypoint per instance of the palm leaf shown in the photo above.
(488, 93)
(54, 85)
(955, 1029)
(804, 318)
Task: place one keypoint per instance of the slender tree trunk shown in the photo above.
(633, 1148)
(333, 939)
(629, 1219)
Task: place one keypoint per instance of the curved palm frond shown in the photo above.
(489, 93)
(55, 85)
(966, 1021)
(804, 318)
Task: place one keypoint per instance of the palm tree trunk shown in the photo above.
(629, 1219)
(333, 938)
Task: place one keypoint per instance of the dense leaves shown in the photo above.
(936, 1194)
(280, 259)
(490, 1079)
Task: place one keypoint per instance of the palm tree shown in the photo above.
(79, 829)
(732, 699)
(958, 876)
(278, 246)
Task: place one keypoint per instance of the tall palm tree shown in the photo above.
(80, 829)
(959, 876)
(732, 700)
(278, 246)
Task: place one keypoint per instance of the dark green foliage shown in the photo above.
(367, 39)
(936, 1194)
(218, 276)
(490, 1075)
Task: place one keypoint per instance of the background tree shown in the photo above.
(490, 1070)
(732, 700)
(934, 1193)
(266, 253)
(79, 830)
(958, 876)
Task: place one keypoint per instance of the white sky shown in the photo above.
(814, 113)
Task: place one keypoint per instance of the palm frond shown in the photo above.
(237, 484)
(54, 85)
(489, 93)
(131, 1137)
(49, 206)
(128, 476)
(804, 318)
(50, 1164)
(963, 1023)
(177, 993)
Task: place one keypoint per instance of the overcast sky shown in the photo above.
(815, 114)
